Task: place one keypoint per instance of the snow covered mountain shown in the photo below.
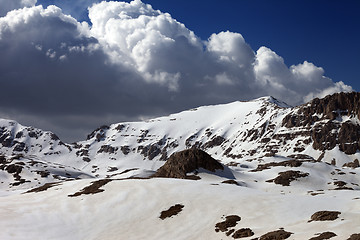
(286, 161)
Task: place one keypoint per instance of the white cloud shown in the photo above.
(134, 61)
(320, 93)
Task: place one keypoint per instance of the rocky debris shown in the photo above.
(125, 150)
(341, 185)
(276, 235)
(82, 152)
(93, 188)
(215, 141)
(98, 133)
(149, 151)
(107, 149)
(325, 216)
(242, 233)
(172, 211)
(285, 178)
(120, 127)
(229, 222)
(324, 235)
(187, 161)
(143, 136)
(188, 141)
(355, 236)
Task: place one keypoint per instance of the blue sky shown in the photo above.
(324, 32)
(134, 62)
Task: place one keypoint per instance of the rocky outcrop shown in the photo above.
(322, 119)
(181, 163)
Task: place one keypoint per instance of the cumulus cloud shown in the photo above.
(132, 61)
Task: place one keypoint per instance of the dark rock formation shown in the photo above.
(187, 161)
(325, 216)
(276, 235)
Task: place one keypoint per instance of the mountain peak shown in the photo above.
(272, 100)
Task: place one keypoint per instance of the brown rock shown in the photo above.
(242, 233)
(187, 161)
(325, 216)
(324, 235)
(172, 211)
(276, 235)
(230, 221)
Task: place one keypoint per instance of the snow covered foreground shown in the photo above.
(130, 209)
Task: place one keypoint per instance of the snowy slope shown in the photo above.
(281, 165)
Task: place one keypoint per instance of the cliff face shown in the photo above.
(331, 121)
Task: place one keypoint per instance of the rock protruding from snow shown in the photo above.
(181, 163)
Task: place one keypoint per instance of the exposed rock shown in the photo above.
(187, 161)
(276, 235)
(285, 178)
(215, 141)
(287, 163)
(354, 164)
(349, 136)
(230, 181)
(324, 235)
(323, 136)
(93, 188)
(99, 133)
(355, 236)
(230, 221)
(107, 149)
(172, 211)
(44, 187)
(325, 216)
(242, 233)
(125, 150)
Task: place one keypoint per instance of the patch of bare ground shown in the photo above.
(44, 187)
(325, 216)
(285, 178)
(324, 235)
(230, 222)
(231, 181)
(276, 235)
(288, 163)
(172, 211)
(242, 233)
(355, 236)
(93, 188)
(341, 185)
